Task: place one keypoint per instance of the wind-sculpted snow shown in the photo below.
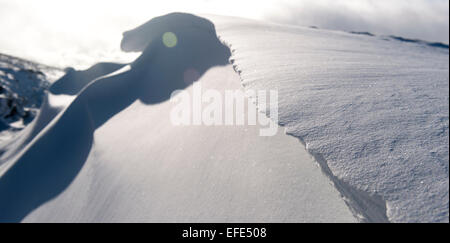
(58, 147)
(373, 111)
(110, 153)
(61, 93)
(73, 81)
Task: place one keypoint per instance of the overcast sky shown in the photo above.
(81, 32)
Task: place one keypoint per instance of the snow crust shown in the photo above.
(374, 110)
(109, 153)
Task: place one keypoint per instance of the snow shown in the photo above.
(142, 169)
(22, 87)
(372, 109)
(113, 155)
(368, 117)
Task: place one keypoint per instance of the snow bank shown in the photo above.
(372, 110)
(113, 155)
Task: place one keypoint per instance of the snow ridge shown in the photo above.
(365, 207)
(373, 113)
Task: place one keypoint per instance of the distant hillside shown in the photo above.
(22, 86)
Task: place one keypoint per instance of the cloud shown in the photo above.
(80, 33)
(422, 19)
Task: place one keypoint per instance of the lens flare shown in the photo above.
(169, 39)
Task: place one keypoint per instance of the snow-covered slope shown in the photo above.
(113, 155)
(373, 112)
(22, 87)
(140, 168)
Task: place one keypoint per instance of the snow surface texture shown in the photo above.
(112, 154)
(372, 110)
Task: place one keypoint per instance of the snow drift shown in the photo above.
(372, 111)
(109, 153)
